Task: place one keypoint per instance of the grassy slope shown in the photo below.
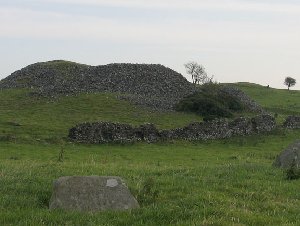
(281, 101)
(45, 119)
(226, 182)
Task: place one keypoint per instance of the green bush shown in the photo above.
(210, 102)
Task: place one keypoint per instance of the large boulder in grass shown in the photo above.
(290, 157)
(91, 194)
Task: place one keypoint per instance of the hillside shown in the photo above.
(30, 118)
(147, 84)
(282, 102)
(221, 182)
(27, 117)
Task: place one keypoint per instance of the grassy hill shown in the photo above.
(281, 101)
(27, 117)
(225, 182)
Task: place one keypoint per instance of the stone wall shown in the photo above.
(105, 132)
(292, 122)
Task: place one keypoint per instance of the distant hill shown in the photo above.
(153, 85)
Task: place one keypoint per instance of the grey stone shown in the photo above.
(91, 193)
(289, 157)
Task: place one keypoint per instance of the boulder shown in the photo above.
(290, 157)
(91, 193)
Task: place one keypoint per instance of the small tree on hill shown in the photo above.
(198, 73)
(289, 82)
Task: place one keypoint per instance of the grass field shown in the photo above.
(281, 101)
(224, 182)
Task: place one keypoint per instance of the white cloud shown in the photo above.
(235, 49)
(34, 24)
(227, 5)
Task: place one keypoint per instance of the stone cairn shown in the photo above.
(151, 85)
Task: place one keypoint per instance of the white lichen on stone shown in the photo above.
(111, 183)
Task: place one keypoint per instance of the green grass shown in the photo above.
(46, 119)
(224, 182)
(281, 101)
(220, 183)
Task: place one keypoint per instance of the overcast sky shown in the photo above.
(236, 40)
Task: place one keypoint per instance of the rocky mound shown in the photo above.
(149, 84)
(243, 98)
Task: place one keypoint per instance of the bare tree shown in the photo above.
(289, 82)
(198, 73)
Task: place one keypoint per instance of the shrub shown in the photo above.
(210, 102)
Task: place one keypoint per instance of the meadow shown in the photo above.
(222, 182)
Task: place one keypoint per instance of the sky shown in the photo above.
(254, 41)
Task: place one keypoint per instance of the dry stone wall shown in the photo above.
(292, 122)
(105, 132)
